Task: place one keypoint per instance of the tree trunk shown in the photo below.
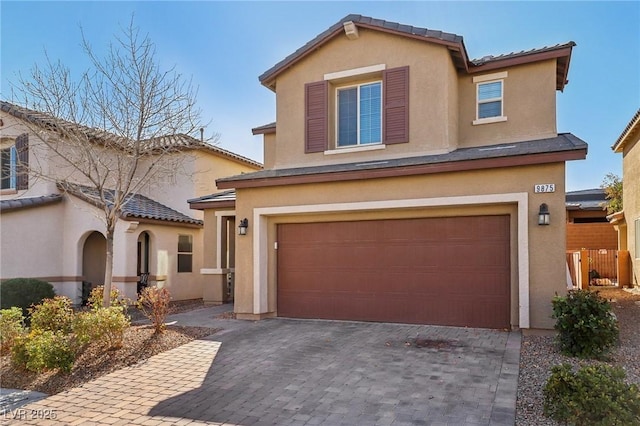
(108, 271)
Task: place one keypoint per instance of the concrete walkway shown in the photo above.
(303, 372)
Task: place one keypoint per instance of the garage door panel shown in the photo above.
(447, 271)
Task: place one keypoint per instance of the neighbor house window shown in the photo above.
(359, 118)
(185, 253)
(8, 166)
(490, 98)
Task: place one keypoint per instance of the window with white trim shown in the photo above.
(185, 253)
(8, 167)
(359, 114)
(490, 100)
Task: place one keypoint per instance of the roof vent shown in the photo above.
(350, 30)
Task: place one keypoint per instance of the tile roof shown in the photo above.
(564, 142)
(25, 203)
(180, 142)
(224, 199)
(586, 199)
(633, 126)
(454, 43)
(137, 207)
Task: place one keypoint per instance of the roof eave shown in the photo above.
(562, 67)
(408, 170)
(631, 128)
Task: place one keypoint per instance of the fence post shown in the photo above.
(624, 269)
(584, 269)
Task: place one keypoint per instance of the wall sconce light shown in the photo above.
(543, 215)
(242, 228)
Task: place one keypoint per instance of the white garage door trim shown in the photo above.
(260, 249)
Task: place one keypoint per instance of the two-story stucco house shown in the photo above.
(627, 222)
(55, 233)
(405, 182)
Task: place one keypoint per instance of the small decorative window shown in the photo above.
(8, 167)
(359, 114)
(490, 100)
(185, 253)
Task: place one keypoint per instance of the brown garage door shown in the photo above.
(446, 271)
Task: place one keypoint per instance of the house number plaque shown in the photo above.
(544, 187)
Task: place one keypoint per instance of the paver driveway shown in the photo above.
(296, 372)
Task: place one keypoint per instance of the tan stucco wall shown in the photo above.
(631, 199)
(269, 150)
(442, 104)
(529, 105)
(546, 243)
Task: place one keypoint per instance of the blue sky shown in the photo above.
(225, 46)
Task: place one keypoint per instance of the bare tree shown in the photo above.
(131, 116)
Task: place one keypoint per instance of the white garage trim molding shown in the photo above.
(260, 248)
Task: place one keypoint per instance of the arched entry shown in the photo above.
(94, 255)
(142, 264)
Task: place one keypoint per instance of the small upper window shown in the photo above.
(185, 253)
(8, 165)
(359, 114)
(490, 100)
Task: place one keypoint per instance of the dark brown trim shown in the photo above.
(264, 130)
(160, 222)
(216, 205)
(457, 166)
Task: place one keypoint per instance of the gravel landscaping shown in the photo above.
(539, 353)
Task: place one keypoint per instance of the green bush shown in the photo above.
(42, 350)
(587, 327)
(11, 326)
(105, 326)
(53, 315)
(24, 292)
(154, 304)
(596, 395)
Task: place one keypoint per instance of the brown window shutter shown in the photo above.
(316, 121)
(22, 167)
(396, 105)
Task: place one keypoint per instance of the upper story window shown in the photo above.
(8, 166)
(185, 253)
(14, 163)
(490, 98)
(359, 117)
(369, 109)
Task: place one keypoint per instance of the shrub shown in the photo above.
(53, 315)
(11, 326)
(44, 349)
(105, 326)
(24, 292)
(154, 304)
(595, 395)
(96, 295)
(587, 326)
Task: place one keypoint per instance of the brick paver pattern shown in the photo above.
(289, 372)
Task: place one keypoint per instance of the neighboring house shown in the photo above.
(627, 222)
(587, 224)
(54, 232)
(404, 182)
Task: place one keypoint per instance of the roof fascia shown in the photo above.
(451, 166)
(627, 133)
(161, 222)
(216, 205)
(269, 79)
